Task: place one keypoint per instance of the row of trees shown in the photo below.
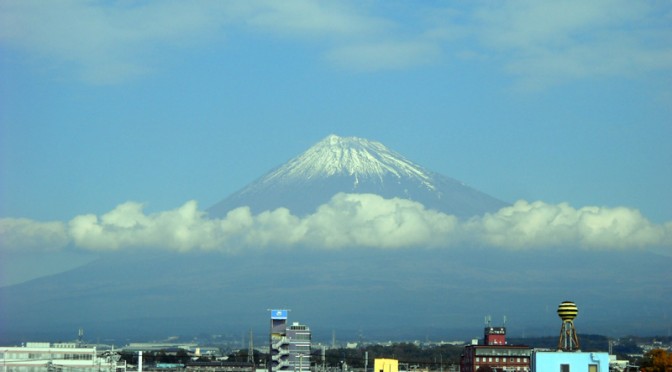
(657, 360)
(178, 356)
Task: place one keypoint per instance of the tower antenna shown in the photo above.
(80, 337)
(250, 349)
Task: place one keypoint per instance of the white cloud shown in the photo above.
(371, 221)
(540, 225)
(348, 220)
(127, 226)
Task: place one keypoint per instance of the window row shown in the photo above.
(497, 359)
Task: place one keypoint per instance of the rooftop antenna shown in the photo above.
(488, 320)
(504, 325)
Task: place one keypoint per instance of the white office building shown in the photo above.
(45, 356)
(299, 347)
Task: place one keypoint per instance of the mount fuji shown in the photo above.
(355, 165)
(412, 293)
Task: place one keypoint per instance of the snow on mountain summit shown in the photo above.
(349, 156)
(354, 165)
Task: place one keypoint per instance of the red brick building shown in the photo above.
(495, 354)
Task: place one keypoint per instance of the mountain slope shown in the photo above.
(386, 294)
(355, 165)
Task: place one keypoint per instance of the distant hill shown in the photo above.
(377, 295)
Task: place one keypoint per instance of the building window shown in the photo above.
(592, 368)
(564, 368)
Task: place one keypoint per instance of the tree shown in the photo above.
(657, 360)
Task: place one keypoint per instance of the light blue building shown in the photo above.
(558, 361)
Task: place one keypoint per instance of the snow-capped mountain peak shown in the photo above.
(349, 156)
(354, 165)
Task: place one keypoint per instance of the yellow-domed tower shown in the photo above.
(569, 341)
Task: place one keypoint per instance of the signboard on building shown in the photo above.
(278, 314)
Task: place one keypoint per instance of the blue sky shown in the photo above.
(163, 102)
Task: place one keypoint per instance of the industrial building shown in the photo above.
(45, 356)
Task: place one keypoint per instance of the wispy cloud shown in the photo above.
(312, 19)
(544, 42)
(540, 42)
(385, 55)
(348, 220)
(114, 42)
(26, 234)
(102, 42)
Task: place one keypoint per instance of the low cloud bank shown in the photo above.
(348, 220)
(23, 233)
